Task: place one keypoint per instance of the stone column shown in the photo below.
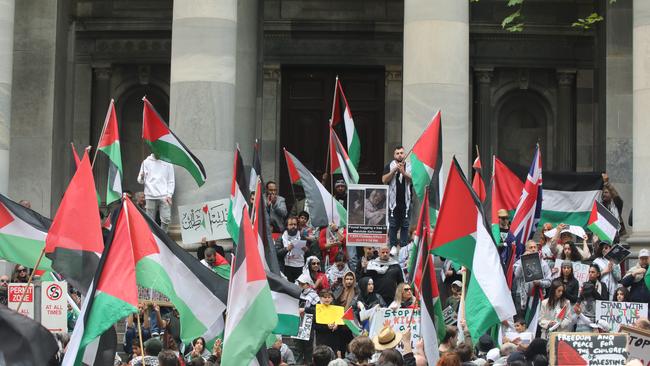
(483, 77)
(393, 109)
(101, 98)
(641, 128)
(566, 128)
(436, 73)
(6, 68)
(270, 135)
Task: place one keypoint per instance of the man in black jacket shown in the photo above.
(386, 273)
(635, 279)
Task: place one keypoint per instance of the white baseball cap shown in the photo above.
(644, 253)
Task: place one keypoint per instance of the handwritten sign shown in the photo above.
(328, 314)
(304, 331)
(204, 220)
(573, 349)
(14, 292)
(450, 316)
(399, 320)
(638, 344)
(580, 271)
(54, 306)
(619, 313)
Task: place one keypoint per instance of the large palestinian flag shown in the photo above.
(113, 294)
(74, 242)
(286, 298)
(603, 223)
(324, 209)
(22, 234)
(506, 189)
(166, 146)
(199, 294)
(462, 235)
(251, 312)
(426, 165)
(239, 196)
(341, 113)
(432, 327)
(340, 161)
(109, 144)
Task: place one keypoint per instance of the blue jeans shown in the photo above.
(398, 221)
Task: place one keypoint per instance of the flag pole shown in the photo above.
(336, 86)
(29, 280)
(462, 295)
(140, 336)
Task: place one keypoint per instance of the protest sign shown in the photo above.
(580, 271)
(573, 229)
(617, 254)
(14, 292)
(619, 313)
(532, 266)
(450, 316)
(204, 220)
(149, 295)
(638, 344)
(367, 215)
(399, 320)
(54, 306)
(328, 314)
(304, 331)
(573, 349)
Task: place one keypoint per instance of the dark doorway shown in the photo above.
(307, 94)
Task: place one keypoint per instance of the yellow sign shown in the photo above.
(328, 314)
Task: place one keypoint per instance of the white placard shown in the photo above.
(54, 306)
(580, 271)
(399, 320)
(620, 313)
(573, 229)
(14, 292)
(204, 220)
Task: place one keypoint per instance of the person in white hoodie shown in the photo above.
(158, 179)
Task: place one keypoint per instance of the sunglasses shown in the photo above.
(4, 281)
(315, 264)
(406, 289)
(503, 218)
(22, 269)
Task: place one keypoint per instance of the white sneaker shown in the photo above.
(393, 251)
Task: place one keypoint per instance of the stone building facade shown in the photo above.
(226, 72)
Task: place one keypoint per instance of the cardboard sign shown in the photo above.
(573, 349)
(580, 271)
(367, 215)
(638, 344)
(617, 254)
(398, 319)
(54, 306)
(620, 313)
(531, 265)
(204, 220)
(304, 331)
(328, 314)
(450, 316)
(14, 292)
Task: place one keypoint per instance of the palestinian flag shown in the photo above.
(113, 294)
(262, 228)
(75, 253)
(351, 322)
(22, 234)
(477, 182)
(239, 196)
(340, 161)
(432, 323)
(323, 208)
(505, 191)
(166, 146)
(603, 223)
(197, 292)
(286, 298)
(109, 144)
(462, 235)
(221, 266)
(341, 113)
(426, 165)
(256, 168)
(568, 196)
(251, 312)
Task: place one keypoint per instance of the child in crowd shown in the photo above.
(328, 334)
(454, 299)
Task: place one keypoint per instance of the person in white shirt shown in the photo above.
(158, 179)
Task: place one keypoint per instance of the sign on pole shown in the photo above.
(204, 220)
(367, 215)
(54, 306)
(15, 291)
(619, 313)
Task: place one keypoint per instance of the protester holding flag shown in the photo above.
(555, 311)
(610, 272)
(613, 202)
(397, 174)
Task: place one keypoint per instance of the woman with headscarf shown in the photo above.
(313, 270)
(367, 296)
(346, 294)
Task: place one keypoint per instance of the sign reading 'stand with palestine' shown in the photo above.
(620, 313)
